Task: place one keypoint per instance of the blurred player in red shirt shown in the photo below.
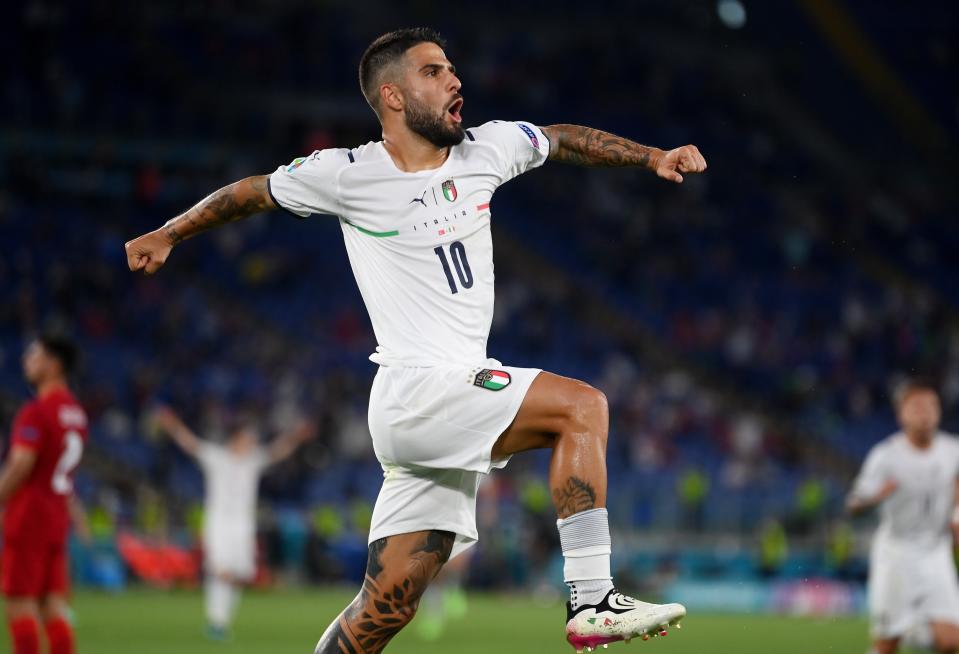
(36, 495)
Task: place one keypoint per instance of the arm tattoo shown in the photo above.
(585, 146)
(233, 202)
(574, 496)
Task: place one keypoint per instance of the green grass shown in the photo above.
(281, 622)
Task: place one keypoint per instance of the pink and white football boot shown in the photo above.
(618, 617)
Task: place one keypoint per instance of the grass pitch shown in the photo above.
(290, 622)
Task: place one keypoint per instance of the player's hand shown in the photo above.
(887, 489)
(305, 430)
(166, 419)
(83, 533)
(149, 252)
(686, 159)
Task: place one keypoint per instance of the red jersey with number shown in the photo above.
(55, 427)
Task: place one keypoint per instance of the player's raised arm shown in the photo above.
(15, 470)
(286, 444)
(182, 435)
(238, 200)
(585, 146)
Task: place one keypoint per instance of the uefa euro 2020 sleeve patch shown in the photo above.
(531, 134)
(492, 380)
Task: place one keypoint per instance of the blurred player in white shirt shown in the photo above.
(231, 475)
(912, 477)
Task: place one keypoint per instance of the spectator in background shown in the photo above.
(773, 548)
(693, 489)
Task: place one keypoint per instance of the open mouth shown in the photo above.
(454, 110)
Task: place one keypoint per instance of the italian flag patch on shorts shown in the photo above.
(493, 380)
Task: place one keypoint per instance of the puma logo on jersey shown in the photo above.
(420, 199)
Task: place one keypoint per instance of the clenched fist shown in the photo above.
(686, 159)
(149, 252)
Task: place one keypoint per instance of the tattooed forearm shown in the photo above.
(233, 202)
(574, 496)
(585, 146)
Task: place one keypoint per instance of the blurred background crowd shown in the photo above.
(747, 326)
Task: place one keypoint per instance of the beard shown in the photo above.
(420, 120)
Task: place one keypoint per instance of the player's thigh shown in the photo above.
(56, 573)
(945, 636)
(552, 404)
(23, 574)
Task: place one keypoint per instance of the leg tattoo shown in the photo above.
(574, 496)
(395, 581)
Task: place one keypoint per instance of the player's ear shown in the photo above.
(391, 97)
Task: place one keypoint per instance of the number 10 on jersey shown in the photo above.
(463, 272)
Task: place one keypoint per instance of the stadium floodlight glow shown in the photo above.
(732, 13)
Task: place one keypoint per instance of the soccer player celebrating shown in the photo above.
(913, 477)
(36, 494)
(231, 477)
(414, 210)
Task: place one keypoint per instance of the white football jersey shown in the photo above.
(919, 512)
(231, 484)
(419, 243)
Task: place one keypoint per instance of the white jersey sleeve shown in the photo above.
(310, 184)
(875, 472)
(520, 146)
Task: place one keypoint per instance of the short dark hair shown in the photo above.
(61, 348)
(911, 387)
(385, 50)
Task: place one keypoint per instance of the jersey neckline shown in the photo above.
(428, 171)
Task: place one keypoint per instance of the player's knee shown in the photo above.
(387, 607)
(53, 607)
(589, 411)
(21, 607)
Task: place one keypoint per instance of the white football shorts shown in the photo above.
(433, 431)
(230, 551)
(910, 587)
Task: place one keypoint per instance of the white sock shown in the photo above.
(586, 544)
(219, 602)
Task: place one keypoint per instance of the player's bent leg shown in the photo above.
(945, 637)
(572, 418)
(398, 571)
(23, 622)
(55, 612)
